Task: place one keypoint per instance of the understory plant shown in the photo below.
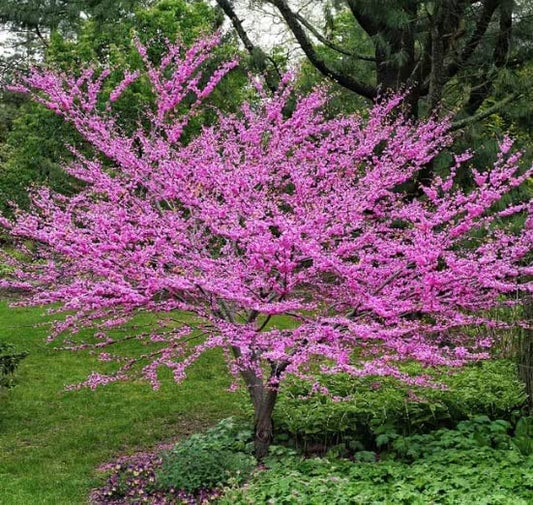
(286, 234)
(363, 413)
(478, 476)
(207, 461)
(9, 361)
(194, 470)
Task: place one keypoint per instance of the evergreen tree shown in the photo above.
(451, 54)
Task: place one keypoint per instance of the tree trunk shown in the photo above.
(525, 353)
(263, 424)
(263, 399)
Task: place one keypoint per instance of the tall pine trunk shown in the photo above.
(525, 352)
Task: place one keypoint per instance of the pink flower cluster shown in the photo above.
(268, 214)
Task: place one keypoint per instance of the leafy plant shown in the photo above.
(9, 360)
(375, 411)
(455, 476)
(206, 461)
(476, 433)
(523, 437)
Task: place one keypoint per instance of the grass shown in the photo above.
(52, 440)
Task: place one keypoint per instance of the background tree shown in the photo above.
(34, 140)
(28, 26)
(41, 18)
(285, 237)
(448, 53)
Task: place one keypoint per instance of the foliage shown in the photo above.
(32, 155)
(36, 140)
(360, 413)
(478, 476)
(523, 436)
(266, 215)
(65, 15)
(472, 434)
(9, 360)
(451, 56)
(474, 464)
(206, 461)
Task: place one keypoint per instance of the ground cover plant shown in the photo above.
(366, 413)
(478, 461)
(454, 476)
(274, 211)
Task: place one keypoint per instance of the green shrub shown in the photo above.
(206, 461)
(476, 433)
(523, 437)
(474, 464)
(376, 407)
(9, 360)
(476, 476)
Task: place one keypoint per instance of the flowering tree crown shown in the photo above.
(266, 214)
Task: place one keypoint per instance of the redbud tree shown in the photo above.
(274, 214)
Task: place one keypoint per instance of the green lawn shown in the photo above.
(52, 441)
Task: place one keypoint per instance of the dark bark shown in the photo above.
(437, 58)
(502, 46)
(525, 353)
(299, 33)
(483, 21)
(263, 422)
(392, 73)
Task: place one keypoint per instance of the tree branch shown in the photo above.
(329, 43)
(255, 51)
(346, 81)
(365, 22)
(41, 36)
(456, 125)
(228, 9)
(489, 6)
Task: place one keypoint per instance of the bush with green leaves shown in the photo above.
(9, 360)
(372, 407)
(477, 463)
(476, 433)
(210, 460)
(477, 476)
